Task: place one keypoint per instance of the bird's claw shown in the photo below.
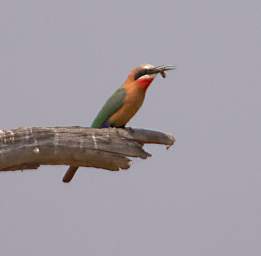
(129, 129)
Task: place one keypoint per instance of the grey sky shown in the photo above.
(60, 60)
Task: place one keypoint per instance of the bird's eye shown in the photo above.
(140, 74)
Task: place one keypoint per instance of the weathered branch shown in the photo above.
(28, 148)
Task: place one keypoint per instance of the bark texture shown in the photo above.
(28, 148)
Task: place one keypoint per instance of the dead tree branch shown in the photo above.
(28, 148)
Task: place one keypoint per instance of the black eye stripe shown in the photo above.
(140, 73)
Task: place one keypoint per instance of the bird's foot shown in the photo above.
(129, 129)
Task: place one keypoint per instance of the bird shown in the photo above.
(125, 101)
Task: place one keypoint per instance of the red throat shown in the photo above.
(144, 83)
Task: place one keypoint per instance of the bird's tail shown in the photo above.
(70, 173)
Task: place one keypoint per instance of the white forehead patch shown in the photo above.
(147, 66)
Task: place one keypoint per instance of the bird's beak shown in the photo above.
(160, 70)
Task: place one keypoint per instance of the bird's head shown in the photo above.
(143, 75)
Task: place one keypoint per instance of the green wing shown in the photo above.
(110, 107)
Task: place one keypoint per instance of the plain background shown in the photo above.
(59, 62)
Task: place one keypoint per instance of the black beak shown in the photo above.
(160, 69)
